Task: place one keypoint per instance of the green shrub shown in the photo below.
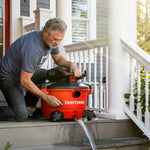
(142, 92)
(8, 145)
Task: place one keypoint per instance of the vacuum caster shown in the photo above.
(88, 114)
(57, 116)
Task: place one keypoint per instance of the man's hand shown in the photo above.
(61, 61)
(26, 82)
(53, 101)
(75, 70)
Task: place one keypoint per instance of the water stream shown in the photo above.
(92, 143)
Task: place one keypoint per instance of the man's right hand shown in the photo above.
(53, 101)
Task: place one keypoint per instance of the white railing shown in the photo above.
(92, 56)
(30, 27)
(138, 103)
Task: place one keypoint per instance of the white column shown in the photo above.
(64, 12)
(14, 20)
(122, 22)
(92, 19)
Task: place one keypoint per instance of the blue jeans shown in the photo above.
(13, 93)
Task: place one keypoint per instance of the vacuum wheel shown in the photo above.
(88, 114)
(57, 115)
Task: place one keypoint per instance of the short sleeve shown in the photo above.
(55, 51)
(29, 62)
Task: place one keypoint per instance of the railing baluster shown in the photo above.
(146, 100)
(72, 56)
(84, 63)
(76, 59)
(139, 112)
(49, 62)
(68, 56)
(101, 103)
(80, 57)
(95, 78)
(89, 77)
(106, 84)
(131, 85)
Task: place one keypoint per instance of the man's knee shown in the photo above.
(22, 116)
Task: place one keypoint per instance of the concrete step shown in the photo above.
(34, 133)
(127, 143)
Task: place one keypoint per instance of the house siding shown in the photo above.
(43, 4)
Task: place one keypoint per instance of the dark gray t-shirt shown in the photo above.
(25, 53)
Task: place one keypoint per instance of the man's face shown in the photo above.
(54, 39)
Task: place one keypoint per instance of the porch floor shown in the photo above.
(68, 135)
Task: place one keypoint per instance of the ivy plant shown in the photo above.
(142, 92)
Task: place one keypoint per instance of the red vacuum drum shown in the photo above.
(72, 94)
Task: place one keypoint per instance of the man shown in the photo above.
(19, 69)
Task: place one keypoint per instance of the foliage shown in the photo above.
(143, 25)
(8, 145)
(142, 92)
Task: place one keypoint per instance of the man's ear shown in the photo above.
(45, 32)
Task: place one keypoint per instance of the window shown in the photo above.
(43, 4)
(25, 7)
(79, 20)
(1, 29)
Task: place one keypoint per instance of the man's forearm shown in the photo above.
(32, 88)
(26, 82)
(63, 62)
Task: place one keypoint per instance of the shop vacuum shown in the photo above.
(72, 94)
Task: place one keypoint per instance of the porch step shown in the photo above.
(129, 143)
(33, 133)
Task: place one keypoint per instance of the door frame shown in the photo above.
(7, 25)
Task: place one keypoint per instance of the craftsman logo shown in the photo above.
(74, 102)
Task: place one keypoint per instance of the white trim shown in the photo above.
(53, 8)
(141, 56)
(86, 45)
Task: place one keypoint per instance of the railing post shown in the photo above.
(41, 16)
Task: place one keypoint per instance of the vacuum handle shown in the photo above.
(69, 74)
(72, 74)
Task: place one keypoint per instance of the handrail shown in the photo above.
(136, 52)
(29, 27)
(91, 44)
(141, 119)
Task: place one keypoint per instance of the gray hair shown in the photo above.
(55, 24)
